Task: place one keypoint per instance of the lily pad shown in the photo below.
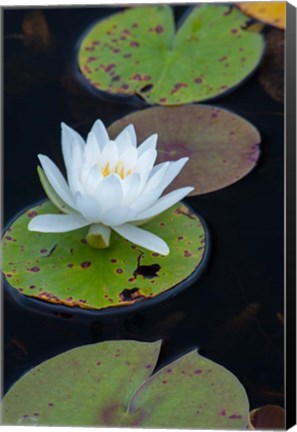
(270, 12)
(63, 269)
(272, 70)
(272, 417)
(116, 388)
(138, 51)
(222, 147)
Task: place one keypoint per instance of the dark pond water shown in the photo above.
(234, 312)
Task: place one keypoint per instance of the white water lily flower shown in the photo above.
(110, 185)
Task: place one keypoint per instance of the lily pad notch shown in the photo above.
(63, 270)
(138, 52)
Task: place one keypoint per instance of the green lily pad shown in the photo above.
(222, 147)
(116, 388)
(138, 51)
(63, 269)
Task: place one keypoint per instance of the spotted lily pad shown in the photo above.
(116, 388)
(62, 268)
(222, 147)
(138, 51)
(270, 12)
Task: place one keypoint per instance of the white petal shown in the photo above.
(56, 179)
(157, 178)
(130, 185)
(118, 216)
(130, 128)
(129, 158)
(109, 154)
(91, 178)
(126, 138)
(56, 223)
(149, 143)
(165, 202)
(92, 151)
(173, 170)
(123, 141)
(146, 200)
(74, 170)
(88, 207)
(156, 168)
(146, 161)
(142, 238)
(144, 176)
(109, 193)
(101, 133)
(70, 137)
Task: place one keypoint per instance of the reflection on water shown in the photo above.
(232, 312)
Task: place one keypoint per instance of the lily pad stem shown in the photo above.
(98, 236)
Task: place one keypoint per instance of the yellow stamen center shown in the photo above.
(106, 170)
(119, 169)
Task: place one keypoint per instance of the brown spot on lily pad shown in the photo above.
(159, 29)
(34, 269)
(85, 264)
(32, 214)
(131, 294)
(178, 86)
(147, 271)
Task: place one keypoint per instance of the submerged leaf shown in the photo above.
(116, 388)
(35, 27)
(137, 51)
(63, 269)
(272, 70)
(222, 147)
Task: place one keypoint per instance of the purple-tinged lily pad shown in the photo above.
(222, 147)
(116, 387)
(138, 51)
(63, 269)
